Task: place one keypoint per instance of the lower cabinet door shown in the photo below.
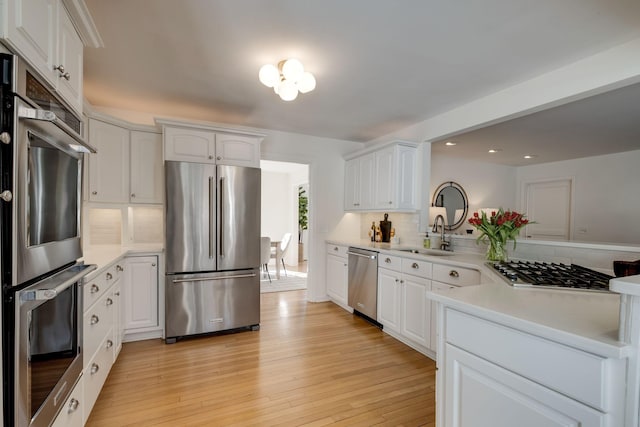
(71, 414)
(480, 393)
(337, 278)
(416, 310)
(389, 290)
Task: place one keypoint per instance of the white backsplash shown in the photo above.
(104, 226)
(145, 224)
(124, 225)
(405, 224)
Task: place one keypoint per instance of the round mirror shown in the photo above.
(452, 197)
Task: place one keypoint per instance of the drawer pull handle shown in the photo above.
(94, 289)
(94, 319)
(73, 405)
(388, 260)
(94, 368)
(109, 343)
(454, 273)
(109, 276)
(415, 265)
(119, 268)
(109, 302)
(117, 294)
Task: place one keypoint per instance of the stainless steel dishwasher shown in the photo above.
(363, 282)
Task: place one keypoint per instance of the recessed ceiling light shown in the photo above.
(494, 150)
(450, 143)
(530, 156)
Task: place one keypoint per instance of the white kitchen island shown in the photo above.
(533, 357)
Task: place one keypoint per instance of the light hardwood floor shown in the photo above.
(310, 364)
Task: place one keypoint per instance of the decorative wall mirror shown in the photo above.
(452, 197)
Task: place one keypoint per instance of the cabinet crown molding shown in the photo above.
(207, 126)
(83, 22)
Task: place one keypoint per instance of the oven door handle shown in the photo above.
(50, 116)
(47, 294)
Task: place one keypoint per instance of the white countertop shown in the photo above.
(104, 255)
(585, 320)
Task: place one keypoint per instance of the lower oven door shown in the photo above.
(48, 345)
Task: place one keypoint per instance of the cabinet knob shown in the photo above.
(219, 158)
(153, 264)
(95, 193)
(94, 319)
(109, 343)
(73, 405)
(397, 280)
(109, 301)
(59, 68)
(388, 260)
(454, 273)
(109, 276)
(401, 281)
(117, 294)
(66, 76)
(94, 368)
(390, 202)
(119, 268)
(5, 138)
(94, 288)
(133, 194)
(210, 157)
(335, 248)
(415, 265)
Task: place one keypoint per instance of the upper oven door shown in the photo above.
(47, 197)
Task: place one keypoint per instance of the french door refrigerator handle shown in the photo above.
(206, 279)
(211, 217)
(221, 210)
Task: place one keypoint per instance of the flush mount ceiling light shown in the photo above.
(530, 156)
(287, 79)
(494, 150)
(450, 143)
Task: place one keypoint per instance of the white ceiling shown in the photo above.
(380, 65)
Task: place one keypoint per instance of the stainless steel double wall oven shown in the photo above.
(40, 209)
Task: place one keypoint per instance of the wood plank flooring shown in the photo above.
(311, 364)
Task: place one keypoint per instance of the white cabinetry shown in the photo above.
(500, 376)
(403, 309)
(99, 329)
(337, 274)
(382, 180)
(359, 181)
(71, 414)
(140, 297)
(146, 171)
(127, 167)
(42, 33)
(199, 145)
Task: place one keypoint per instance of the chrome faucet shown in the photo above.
(444, 244)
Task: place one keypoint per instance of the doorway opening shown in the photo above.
(285, 221)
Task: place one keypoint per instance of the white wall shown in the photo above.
(487, 185)
(606, 194)
(277, 207)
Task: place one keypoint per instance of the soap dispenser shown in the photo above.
(427, 241)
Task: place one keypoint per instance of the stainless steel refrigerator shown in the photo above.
(212, 234)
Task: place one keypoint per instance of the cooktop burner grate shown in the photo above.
(552, 275)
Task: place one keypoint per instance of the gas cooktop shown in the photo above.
(551, 275)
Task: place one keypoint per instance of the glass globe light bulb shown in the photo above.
(292, 70)
(307, 83)
(269, 75)
(287, 90)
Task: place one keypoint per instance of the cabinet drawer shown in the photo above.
(97, 322)
(71, 411)
(98, 285)
(95, 374)
(337, 250)
(585, 377)
(390, 262)
(454, 275)
(416, 267)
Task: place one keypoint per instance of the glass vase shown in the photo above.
(497, 250)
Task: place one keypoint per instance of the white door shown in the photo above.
(548, 203)
(141, 293)
(389, 289)
(147, 172)
(416, 310)
(109, 167)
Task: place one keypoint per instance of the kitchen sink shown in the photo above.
(432, 252)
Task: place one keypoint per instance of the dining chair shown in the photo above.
(284, 245)
(265, 255)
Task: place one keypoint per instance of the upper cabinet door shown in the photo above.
(109, 167)
(189, 145)
(238, 150)
(147, 172)
(351, 185)
(69, 61)
(32, 31)
(385, 176)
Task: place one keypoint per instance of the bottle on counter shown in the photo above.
(372, 233)
(427, 241)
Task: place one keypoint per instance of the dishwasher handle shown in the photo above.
(362, 256)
